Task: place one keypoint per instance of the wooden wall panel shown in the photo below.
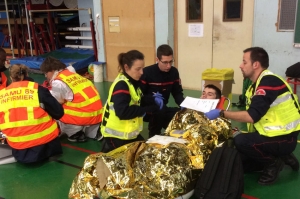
(136, 31)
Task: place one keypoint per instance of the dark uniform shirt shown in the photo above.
(154, 80)
(269, 89)
(121, 99)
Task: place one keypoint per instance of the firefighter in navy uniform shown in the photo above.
(273, 118)
(122, 119)
(162, 79)
(27, 118)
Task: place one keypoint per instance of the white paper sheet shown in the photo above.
(164, 140)
(203, 105)
(195, 30)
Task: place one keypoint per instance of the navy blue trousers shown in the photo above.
(256, 149)
(161, 120)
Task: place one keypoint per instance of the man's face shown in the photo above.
(2, 59)
(247, 66)
(208, 93)
(165, 63)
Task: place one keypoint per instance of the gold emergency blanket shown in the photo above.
(142, 170)
(203, 134)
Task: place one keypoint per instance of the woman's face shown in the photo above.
(136, 70)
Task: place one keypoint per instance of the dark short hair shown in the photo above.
(216, 89)
(128, 58)
(50, 64)
(164, 50)
(258, 54)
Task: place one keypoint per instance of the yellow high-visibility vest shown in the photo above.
(283, 116)
(111, 125)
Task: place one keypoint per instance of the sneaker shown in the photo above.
(78, 137)
(99, 136)
(2, 138)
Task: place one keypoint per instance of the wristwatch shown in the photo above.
(222, 113)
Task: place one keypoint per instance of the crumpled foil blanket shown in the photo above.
(142, 170)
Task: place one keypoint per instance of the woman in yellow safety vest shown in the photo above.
(27, 118)
(79, 97)
(122, 119)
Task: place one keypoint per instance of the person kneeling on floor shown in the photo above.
(80, 99)
(27, 119)
(273, 119)
(123, 113)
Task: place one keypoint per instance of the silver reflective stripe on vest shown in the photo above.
(287, 127)
(281, 100)
(130, 135)
(111, 107)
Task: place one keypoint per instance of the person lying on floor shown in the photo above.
(27, 118)
(80, 99)
(210, 91)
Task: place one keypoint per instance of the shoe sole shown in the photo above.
(100, 138)
(269, 183)
(77, 140)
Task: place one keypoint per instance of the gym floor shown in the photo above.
(52, 179)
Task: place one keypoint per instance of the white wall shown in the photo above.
(98, 25)
(99, 29)
(84, 19)
(164, 22)
(279, 45)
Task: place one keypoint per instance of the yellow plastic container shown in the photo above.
(221, 78)
(218, 74)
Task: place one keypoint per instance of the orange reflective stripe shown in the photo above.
(3, 81)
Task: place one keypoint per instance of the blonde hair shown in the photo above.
(18, 72)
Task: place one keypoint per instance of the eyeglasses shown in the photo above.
(167, 62)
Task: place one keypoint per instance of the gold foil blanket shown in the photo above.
(142, 170)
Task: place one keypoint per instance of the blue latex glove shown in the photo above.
(158, 95)
(159, 102)
(213, 114)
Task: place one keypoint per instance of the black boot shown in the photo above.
(271, 172)
(292, 161)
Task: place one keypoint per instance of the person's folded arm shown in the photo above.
(50, 104)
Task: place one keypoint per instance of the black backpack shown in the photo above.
(222, 177)
(293, 70)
